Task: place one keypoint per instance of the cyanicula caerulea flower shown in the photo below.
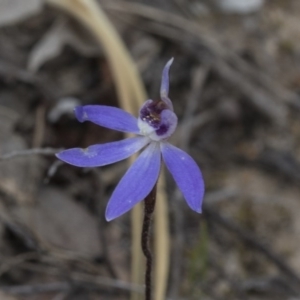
(155, 124)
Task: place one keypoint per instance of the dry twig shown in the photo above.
(255, 243)
(27, 152)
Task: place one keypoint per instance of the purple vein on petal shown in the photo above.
(136, 184)
(107, 116)
(103, 154)
(186, 174)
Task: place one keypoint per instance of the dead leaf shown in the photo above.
(57, 220)
(62, 33)
(65, 106)
(4, 296)
(12, 11)
(18, 177)
(240, 7)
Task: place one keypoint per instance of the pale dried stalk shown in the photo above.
(131, 94)
(162, 241)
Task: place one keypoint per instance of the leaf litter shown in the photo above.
(246, 151)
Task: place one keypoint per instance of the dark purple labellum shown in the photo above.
(156, 120)
(163, 128)
(151, 113)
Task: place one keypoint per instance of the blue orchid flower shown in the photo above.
(155, 124)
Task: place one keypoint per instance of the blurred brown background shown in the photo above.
(235, 86)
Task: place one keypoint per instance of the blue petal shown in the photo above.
(107, 116)
(186, 174)
(164, 88)
(136, 184)
(103, 154)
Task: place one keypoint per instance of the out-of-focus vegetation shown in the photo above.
(235, 86)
